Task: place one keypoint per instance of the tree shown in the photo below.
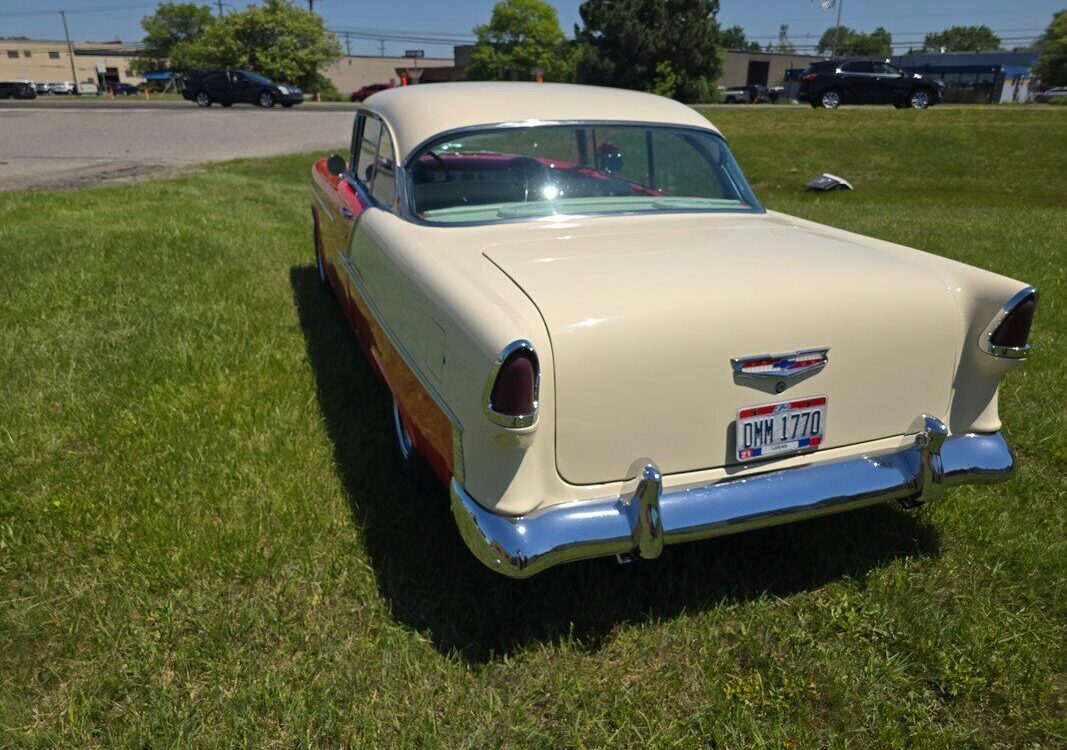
(276, 39)
(851, 43)
(651, 45)
(734, 38)
(172, 24)
(1051, 66)
(521, 35)
(962, 39)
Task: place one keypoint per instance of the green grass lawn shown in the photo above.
(206, 540)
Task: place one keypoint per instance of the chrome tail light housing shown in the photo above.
(1008, 333)
(511, 392)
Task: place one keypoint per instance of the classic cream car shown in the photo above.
(602, 343)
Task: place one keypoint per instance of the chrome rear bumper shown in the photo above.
(644, 517)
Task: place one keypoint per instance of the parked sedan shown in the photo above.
(362, 93)
(602, 343)
(750, 94)
(1058, 92)
(831, 83)
(229, 87)
(17, 90)
(124, 89)
(61, 88)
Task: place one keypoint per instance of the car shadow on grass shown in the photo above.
(436, 587)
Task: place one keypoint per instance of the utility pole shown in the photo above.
(311, 5)
(837, 28)
(348, 44)
(219, 3)
(70, 50)
(381, 48)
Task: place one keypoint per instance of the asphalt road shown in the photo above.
(63, 147)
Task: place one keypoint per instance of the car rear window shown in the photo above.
(507, 173)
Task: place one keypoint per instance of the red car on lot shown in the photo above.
(371, 88)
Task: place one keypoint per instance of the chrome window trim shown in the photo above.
(985, 342)
(398, 173)
(510, 421)
(404, 186)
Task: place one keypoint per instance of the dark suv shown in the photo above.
(18, 90)
(229, 87)
(830, 83)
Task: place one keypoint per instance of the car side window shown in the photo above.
(384, 188)
(368, 152)
(858, 66)
(353, 149)
(884, 69)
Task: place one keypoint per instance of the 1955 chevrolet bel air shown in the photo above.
(602, 343)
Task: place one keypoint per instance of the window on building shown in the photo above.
(27, 53)
(13, 53)
(53, 55)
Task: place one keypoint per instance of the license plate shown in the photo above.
(772, 429)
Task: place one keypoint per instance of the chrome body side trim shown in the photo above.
(644, 517)
(512, 421)
(322, 203)
(357, 280)
(985, 339)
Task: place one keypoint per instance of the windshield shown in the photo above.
(508, 173)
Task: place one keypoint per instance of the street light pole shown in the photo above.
(70, 50)
(837, 28)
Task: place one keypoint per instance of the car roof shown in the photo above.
(417, 113)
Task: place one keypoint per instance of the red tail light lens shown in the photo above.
(1014, 330)
(512, 400)
(809, 76)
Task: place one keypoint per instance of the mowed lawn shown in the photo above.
(206, 539)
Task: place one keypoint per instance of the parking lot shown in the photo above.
(77, 146)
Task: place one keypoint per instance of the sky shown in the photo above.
(440, 23)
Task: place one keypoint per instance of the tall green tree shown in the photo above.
(171, 25)
(962, 39)
(669, 46)
(1051, 66)
(521, 35)
(276, 39)
(851, 43)
(734, 38)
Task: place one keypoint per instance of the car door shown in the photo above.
(890, 85)
(217, 86)
(244, 91)
(857, 82)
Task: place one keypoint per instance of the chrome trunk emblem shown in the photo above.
(786, 368)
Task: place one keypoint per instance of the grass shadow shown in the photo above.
(436, 587)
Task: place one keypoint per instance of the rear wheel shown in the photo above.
(203, 100)
(920, 99)
(830, 99)
(266, 100)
